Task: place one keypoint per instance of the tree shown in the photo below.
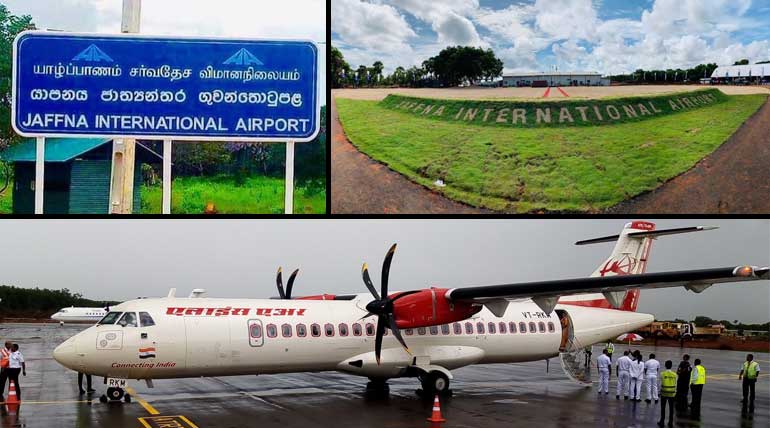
(742, 62)
(362, 74)
(10, 26)
(399, 76)
(376, 74)
(339, 68)
(463, 64)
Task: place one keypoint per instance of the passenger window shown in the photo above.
(532, 327)
(551, 327)
(491, 328)
(512, 327)
(329, 330)
(480, 327)
(468, 328)
(272, 330)
(522, 327)
(110, 318)
(286, 330)
(421, 331)
(369, 329)
(255, 331)
(128, 320)
(315, 330)
(356, 329)
(502, 328)
(445, 329)
(343, 329)
(301, 330)
(458, 329)
(433, 330)
(145, 319)
(409, 331)
(541, 327)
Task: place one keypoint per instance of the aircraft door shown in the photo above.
(208, 342)
(256, 333)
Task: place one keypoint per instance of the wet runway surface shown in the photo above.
(483, 396)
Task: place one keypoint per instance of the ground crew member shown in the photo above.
(588, 352)
(749, 374)
(637, 376)
(5, 359)
(683, 373)
(16, 365)
(604, 365)
(624, 376)
(651, 369)
(610, 348)
(697, 380)
(88, 384)
(667, 394)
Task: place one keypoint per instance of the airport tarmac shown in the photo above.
(483, 396)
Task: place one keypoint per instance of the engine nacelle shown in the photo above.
(431, 307)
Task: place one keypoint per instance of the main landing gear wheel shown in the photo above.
(377, 388)
(434, 383)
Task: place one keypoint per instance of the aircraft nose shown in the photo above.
(65, 354)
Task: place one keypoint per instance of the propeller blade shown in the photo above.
(368, 281)
(279, 283)
(378, 338)
(368, 314)
(397, 332)
(291, 283)
(386, 269)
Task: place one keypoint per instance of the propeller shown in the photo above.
(382, 305)
(279, 282)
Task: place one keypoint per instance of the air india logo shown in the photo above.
(624, 266)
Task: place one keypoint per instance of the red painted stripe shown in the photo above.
(562, 92)
(547, 92)
(146, 349)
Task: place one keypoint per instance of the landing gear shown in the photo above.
(435, 382)
(115, 395)
(377, 388)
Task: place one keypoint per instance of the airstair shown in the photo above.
(573, 361)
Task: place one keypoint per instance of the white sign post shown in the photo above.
(39, 174)
(289, 194)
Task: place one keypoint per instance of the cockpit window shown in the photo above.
(145, 319)
(128, 320)
(110, 318)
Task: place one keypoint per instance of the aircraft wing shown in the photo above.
(547, 293)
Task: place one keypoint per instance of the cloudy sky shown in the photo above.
(123, 259)
(285, 19)
(608, 36)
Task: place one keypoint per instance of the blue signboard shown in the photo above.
(135, 86)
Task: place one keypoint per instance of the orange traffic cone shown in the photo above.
(12, 397)
(436, 416)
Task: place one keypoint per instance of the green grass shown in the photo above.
(6, 199)
(258, 195)
(568, 169)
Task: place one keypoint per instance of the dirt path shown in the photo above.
(361, 185)
(734, 179)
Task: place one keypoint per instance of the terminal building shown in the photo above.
(542, 80)
(742, 74)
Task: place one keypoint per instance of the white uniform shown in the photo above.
(652, 366)
(15, 360)
(605, 365)
(624, 376)
(637, 377)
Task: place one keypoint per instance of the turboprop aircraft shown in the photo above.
(73, 314)
(423, 333)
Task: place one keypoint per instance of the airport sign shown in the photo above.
(156, 87)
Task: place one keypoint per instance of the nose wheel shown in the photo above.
(115, 395)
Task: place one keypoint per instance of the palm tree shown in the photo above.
(377, 68)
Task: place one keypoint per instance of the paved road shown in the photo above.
(734, 179)
(486, 395)
(361, 185)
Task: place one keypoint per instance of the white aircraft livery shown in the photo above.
(73, 314)
(420, 333)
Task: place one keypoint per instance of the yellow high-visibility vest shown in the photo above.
(750, 370)
(701, 379)
(668, 384)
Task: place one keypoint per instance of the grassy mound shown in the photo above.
(563, 168)
(534, 114)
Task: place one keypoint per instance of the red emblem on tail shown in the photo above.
(623, 266)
